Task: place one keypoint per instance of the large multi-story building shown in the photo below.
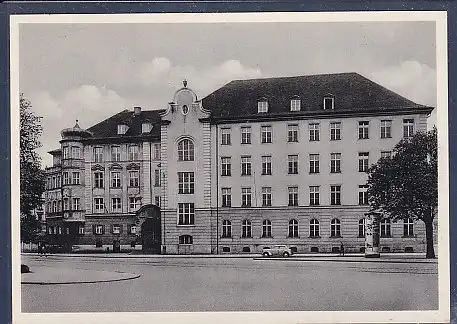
(255, 163)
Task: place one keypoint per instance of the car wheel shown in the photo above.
(286, 254)
(265, 254)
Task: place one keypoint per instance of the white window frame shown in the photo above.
(364, 161)
(186, 183)
(246, 197)
(335, 228)
(66, 179)
(266, 134)
(335, 131)
(98, 154)
(408, 227)
(246, 165)
(75, 152)
(335, 195)
(186, 214)
(266, 165)
(226, 166)
(98, 229)
(408, 127)
(99, 205)
(226, 228)
(386, 128)
(99, 179)
(266, 196)
(363, 129)
(293, 228)
(295, 104)
(157, 151)
(226, 136)
(76, 178)
(134, 203)
(385, 228)
(262, 106)
(226, 197)
(386, 154)
(246, 135)
(292, 195)
(186, 150)
(115, 153)
(246, 228)
(314, 195)
(314, 228)
(325, 102)
(116, 204)
(361, 227)
(134, 178)
(314, 132)
(81, 230)
(75, 204)
(292, 164)
(116, 179)
(363, 195)
(292, 133)
(266, 228)
(133, 152)
(335, 162)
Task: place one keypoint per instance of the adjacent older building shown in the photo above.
(255, 163)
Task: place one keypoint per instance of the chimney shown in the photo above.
(136, 111)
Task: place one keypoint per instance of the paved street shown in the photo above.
(235, 284)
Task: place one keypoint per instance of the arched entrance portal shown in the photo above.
(151, 233)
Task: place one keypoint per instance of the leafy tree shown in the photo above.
(32, 176)
(405, 185)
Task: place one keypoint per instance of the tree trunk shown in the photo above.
(429, 239)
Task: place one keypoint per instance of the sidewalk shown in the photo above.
(55, 276)
(349, 257)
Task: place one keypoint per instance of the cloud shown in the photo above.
(149, 84)
(413, 80)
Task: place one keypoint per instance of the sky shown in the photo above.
(92, 71)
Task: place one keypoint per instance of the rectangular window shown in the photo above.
(59, 181)
(98, 180)
(363, 129)
(186, 182)
(146, 127)
(116, 229)
(75, 205)
(115, 179)
(76, 152)
(81, 230)
(386, 128)
(335, 195)
(408, 227)
(266, 165)
(292, 133)
(76, 178)
(246, 197)
(246, 135)
(335, 131)
(266, 134)
(99, 205)
(99, 229)
(246, 165)
(226, 197)
(408, 128)
(65, 152)
(293, 196)
(116, 205)
(157, 201)
(157, 149)
(133, 229)
(363, 161)
(156, 178)
(266, 196)
(314, 195)
(363, 195)
(134, 203)
(328, 103)
(115, 153)
(293, 164)
(66, 204)
(133, 152)
(335, 162)
(186, 214)
(314, 132)
(262, 106)
(314, 163)
(226, 136)
(295, 105)
(386, 154)
(134, 180)
(66, 179)
(98, 154)
(226, 165)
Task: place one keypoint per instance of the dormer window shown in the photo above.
(262, 106)
(329, 103)
(122, 129)
(295, 104)
(146, 128)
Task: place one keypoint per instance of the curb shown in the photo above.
(350, 260)
(42, 283)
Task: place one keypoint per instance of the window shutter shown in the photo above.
(103, 229)
(93, 228)
(129, 229)
(120, 229)
(112, 229)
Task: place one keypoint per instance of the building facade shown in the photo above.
(255, 163)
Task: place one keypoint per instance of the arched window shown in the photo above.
(185, 239)
(246, 228)
(266, 228)
(335, 228)
(314, 228)
(293, 228)
(362, 227)
(385, 228)
(408, 227)
(185, 150)
(226, 228)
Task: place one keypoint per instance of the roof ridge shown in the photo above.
(295, 76)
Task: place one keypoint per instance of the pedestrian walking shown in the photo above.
(342, 249)
(40, 249)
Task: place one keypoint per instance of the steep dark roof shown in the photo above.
(351, 91)
(108, 127)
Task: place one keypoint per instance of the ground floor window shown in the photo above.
(293, 228)
(335, 228)
(98, 243)
(314, 228)
(385, 228)
(81, 230)
(266, 228)
(185, 239)
(246, 229)
(116, 229)
(133, 229)
(408, 227)
(225, 249)
(99, 229)
(362, 227)
(226, 228)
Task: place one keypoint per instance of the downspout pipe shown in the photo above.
(217, 189)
